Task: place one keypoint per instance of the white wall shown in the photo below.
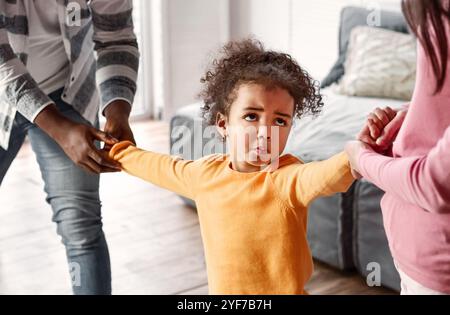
(308, 29)
(190, 29)
(268, 20)
(315, 31)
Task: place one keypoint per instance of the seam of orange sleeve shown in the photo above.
(337, 174)
(278, 194)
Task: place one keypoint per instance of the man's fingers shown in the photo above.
(102, 160)
(109, 170)
(87, 169)
(103, 137)
(93, 166)
(90, 166)
(107, 147)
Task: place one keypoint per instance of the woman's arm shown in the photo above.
(163, 170)
(423, 181)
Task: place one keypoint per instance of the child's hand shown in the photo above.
(353, 148)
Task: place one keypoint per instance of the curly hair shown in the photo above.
(246, 61)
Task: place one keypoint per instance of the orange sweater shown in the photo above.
(253, 224)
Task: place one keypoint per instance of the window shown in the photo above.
(142, 106)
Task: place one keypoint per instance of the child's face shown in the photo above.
(258, 126)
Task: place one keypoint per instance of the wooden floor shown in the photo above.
(154, 239)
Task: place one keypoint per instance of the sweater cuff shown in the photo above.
(115, 151)
(116, 89)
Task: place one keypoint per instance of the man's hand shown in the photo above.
(117, 114)
(77, 141)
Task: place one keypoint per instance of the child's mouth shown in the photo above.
(261, 150)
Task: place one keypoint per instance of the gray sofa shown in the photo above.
(344, 230)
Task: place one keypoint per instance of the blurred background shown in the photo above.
(178, 37)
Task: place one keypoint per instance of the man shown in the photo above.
(52, 87)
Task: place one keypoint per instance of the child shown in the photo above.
(252, 206)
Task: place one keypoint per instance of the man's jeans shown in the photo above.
(74, 197)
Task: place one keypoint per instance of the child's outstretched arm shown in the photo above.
(323, 178)
(163, 170)
(303, 183)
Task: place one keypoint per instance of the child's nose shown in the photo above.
(264, 132)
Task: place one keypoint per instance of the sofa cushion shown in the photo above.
(357, 16)
(190, 135)
(370, 243)
(380, 63)
(330, 224)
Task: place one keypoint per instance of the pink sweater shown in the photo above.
(416, 205)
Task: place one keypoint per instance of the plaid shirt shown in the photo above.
(100, 45)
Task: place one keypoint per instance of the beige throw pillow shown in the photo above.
(380, 63)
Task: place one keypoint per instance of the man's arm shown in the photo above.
(117, 63)
(117, 50)
(18, 89)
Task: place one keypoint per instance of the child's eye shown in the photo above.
(250, 117)
(280, 122)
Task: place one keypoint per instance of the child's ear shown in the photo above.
(221, 124)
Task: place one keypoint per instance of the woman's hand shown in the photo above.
(375, 124)
(353, 149)
(381, 128)
(390, 132)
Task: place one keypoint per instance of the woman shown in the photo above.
(416, 177)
